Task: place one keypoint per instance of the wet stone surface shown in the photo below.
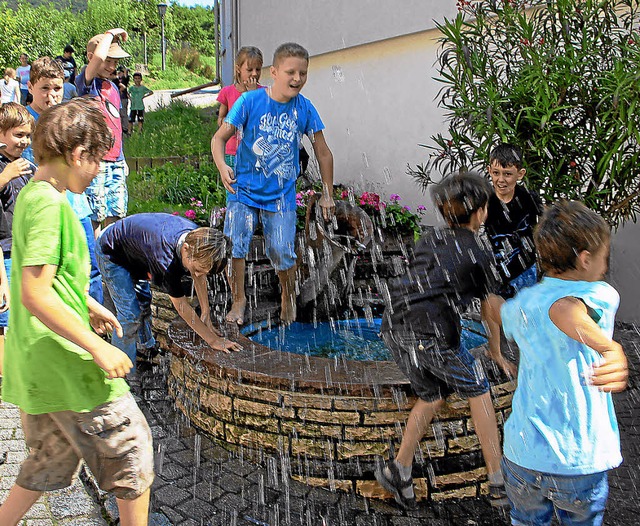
(222, 488)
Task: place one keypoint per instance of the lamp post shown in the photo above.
(162, 10)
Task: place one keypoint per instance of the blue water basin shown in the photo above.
(355, 339)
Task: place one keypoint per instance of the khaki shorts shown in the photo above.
(113, 439)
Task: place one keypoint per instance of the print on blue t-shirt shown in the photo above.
(267, 160)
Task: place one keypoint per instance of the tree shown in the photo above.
(558, 78)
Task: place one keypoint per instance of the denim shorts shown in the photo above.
(577, 500)
(107, 193)
(114, 440)
(279, 233)
(435, 373)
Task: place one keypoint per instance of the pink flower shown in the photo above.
(394, 198)
(190, 214)
(421, 208)
(175, 214)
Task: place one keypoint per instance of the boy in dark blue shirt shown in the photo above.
(160, 248)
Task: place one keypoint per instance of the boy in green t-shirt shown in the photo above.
(66, 380)
(137, 94)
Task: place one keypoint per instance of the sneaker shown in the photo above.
(389, 478)
(498, 496)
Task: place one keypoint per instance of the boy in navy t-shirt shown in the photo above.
(160, 248)
(263, 186)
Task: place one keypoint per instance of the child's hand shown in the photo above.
(508, 368)
(224, 345)
(103, 320)
(328, 206)
(228, 178)
(4, 297)
(17, 168)
(206, 319)
(251, 84)
(118, 32)
(112, 360)
(613, 374)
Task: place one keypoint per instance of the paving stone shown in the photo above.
(196, 509)
(171, 495)
(172, 514)
(171, 471)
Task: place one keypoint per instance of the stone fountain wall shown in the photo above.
(330, 419)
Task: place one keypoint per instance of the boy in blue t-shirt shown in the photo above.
(271, 123)
(562, 435)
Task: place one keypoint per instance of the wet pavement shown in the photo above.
(199, 483)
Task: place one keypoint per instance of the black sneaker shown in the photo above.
(498, 496)
(388, 475)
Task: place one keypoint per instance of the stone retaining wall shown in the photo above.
(330, 432)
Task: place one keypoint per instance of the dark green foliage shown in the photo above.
(561, 80)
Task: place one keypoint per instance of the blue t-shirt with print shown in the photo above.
(147, 246)
(267, 160)
(559, 424)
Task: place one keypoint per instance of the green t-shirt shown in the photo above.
(44, 372)
(137, 93)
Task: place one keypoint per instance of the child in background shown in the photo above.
(562, 435)
(162, 248)
(16, 126)
(421, 326)
(262, 186)
(69, 88)
(24, 71)
(46, 86)
(248, 68)
(107, 194)
(66, 380)
(137, 94)
(9, 87)
(513, 212)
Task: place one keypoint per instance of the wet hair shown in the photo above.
(289, 49)
(209, 247)
(458, 196)
(566, 229)
(45, 68)
(62, 128)
(10, 72)
(506, 155)
(245, 54)
(13, 115)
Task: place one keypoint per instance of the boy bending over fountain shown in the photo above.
(270, 124)
(162, 248)
(421, 326)
(66, 380)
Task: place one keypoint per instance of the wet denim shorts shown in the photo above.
(578, 500)
(279, 233)
(107, 194)
(436, 373)
(113, 439)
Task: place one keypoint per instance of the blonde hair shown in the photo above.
(10, 72)
(209, 247)
(13, 115)
(62, 128)
(245, 54)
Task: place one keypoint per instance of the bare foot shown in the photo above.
(236, 314)
(288, 310)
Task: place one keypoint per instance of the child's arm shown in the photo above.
(40, 300)
(325, 162)
(570, 315)
(16, 92)
(4, 286)
(147, 93)
(189, 315)
(100, 53)
(222, 113)
(218, 141)
(102, 319)
(490, 310)
(202, 292)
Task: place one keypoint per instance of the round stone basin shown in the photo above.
(329, 419)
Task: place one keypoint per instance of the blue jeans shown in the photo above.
(95, 281)
(578, 500)
(132, 299)
(4, 316)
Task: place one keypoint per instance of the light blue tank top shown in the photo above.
(559, 424)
